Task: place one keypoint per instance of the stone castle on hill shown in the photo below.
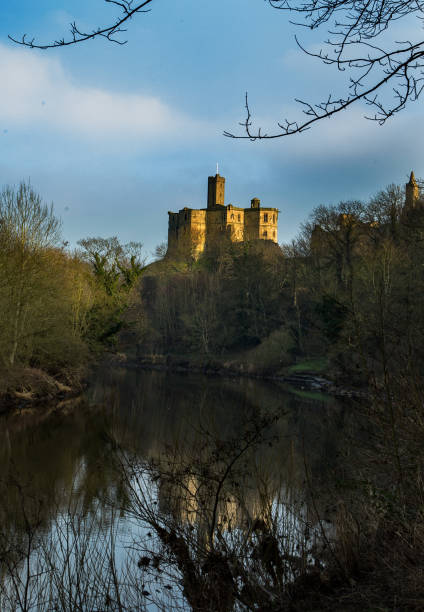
(190, 230)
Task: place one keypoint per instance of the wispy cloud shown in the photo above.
(37, 91)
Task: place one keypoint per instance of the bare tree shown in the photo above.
(28, 229)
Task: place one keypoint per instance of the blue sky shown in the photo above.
(116, 136)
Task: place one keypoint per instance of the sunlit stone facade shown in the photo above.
(190, 230)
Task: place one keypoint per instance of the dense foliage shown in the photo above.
(229, 299)
(56, 306)
(348, 288)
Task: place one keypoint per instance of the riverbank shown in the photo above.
(312, 376)
(25, 388)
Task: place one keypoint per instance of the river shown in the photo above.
(169, 491)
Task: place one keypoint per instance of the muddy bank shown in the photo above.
(24, 390)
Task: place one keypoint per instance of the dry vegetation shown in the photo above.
(58, 308)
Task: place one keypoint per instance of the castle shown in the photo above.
(190, 230)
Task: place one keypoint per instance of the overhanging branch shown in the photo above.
(128, 10)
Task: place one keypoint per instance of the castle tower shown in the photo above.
(191, 231)
(260, 223)
(216, 191)
(411, 192)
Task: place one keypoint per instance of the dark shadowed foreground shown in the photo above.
(183, 492)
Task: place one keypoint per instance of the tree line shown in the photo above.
(348, 288)
(57, 306)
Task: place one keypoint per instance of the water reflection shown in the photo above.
(181, 482)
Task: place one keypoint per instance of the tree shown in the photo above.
(385, 76)
(336, 234)
(27, 228)
(45, 294)
(385, 210)
(116, 268)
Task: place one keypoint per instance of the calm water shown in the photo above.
(122, 503)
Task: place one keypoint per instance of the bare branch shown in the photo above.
(371, 69)
(128, 10)
(384, 79)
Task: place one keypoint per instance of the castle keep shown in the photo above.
(190, 230)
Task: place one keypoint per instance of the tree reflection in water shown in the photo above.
(179, 494)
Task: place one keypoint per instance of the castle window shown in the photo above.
(265, 234)
(273, 218)
(239, 218)
(185, 217)
(273, 234)
(265, 217)
(232, 217)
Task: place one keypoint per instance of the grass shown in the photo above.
(317, 366)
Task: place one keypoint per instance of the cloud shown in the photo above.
(38, 92)
(346, 137)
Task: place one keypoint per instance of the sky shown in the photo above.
(117, 136)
